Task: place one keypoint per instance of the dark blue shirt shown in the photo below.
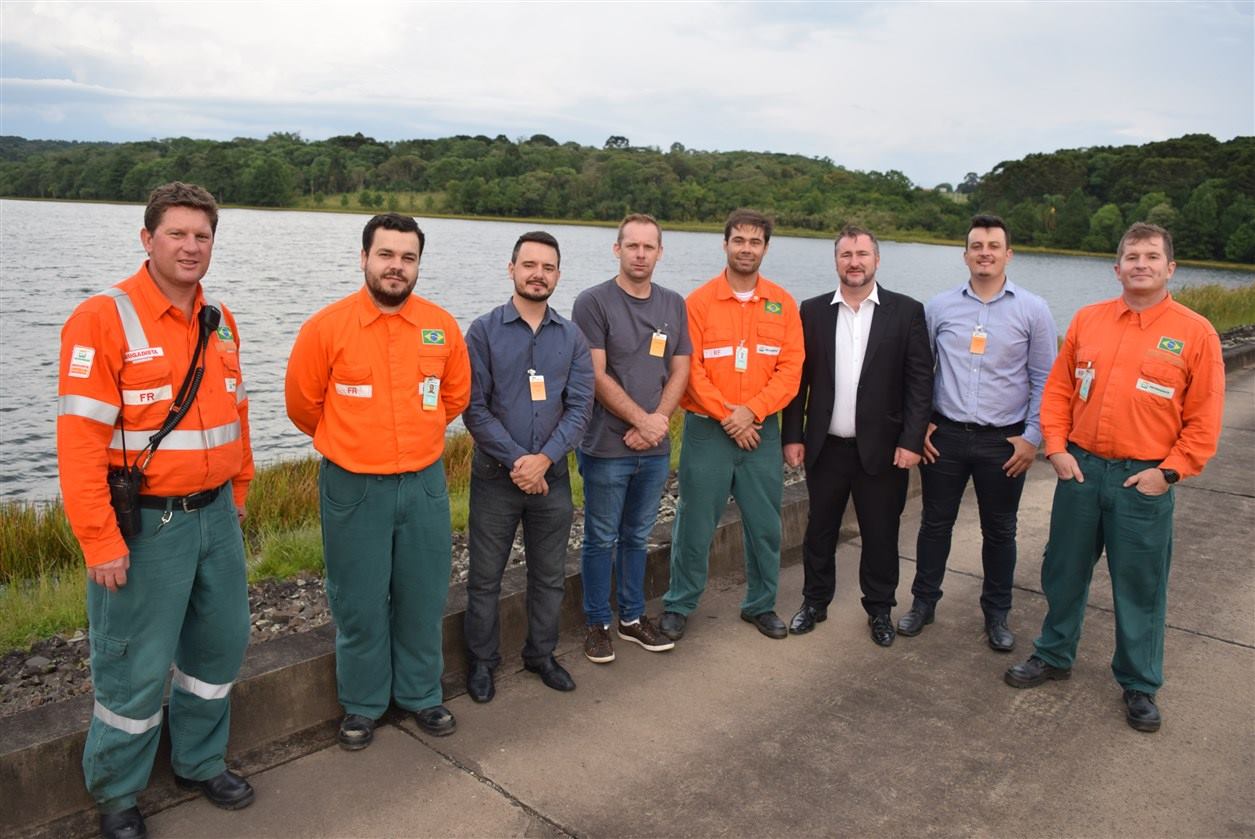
(503, 419)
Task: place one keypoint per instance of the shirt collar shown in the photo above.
(368, 312)
(511, 313)
(1146, 316)
(155, 303)
(723, 291)
(1008, 287)
(873, 298)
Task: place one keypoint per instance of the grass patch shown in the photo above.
(1224, 307)
(35, 539)
(288, 553)
(40, 607)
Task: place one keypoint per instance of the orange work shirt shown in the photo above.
(1156, 389)
(377, 390)
(124, 355)
(765, 330)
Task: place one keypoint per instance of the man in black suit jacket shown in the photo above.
(858, 424)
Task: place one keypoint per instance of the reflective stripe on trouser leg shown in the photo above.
(134, 634)
(211, 646)
(706, 467)
(421, 561)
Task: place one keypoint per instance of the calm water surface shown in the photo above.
(274, 269)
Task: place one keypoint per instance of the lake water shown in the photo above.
(274, 269)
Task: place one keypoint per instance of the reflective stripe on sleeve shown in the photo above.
(126, 724)
(240, 393)
(183, 441)
(194, 686)
(135, 337)
(85, 406)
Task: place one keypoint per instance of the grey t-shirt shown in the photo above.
(624, 326)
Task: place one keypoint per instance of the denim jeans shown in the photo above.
(621, 497)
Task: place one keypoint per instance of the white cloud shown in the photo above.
(933, 89)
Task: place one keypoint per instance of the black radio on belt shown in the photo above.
(124, 483)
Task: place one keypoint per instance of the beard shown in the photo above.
(383, 296)
(535, 296)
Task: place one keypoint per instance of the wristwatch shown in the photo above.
(1170, 475)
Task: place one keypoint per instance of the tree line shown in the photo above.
(1199, 188)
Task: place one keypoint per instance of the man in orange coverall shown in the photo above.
(1132, 405)
(747, 365)
(375, 379)
(166, 575)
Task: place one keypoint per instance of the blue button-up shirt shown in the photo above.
(502, 418)
(1002, 386)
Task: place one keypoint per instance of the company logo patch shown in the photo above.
(81, 362)
(1171, 345)
(773, 307)
(140, 356)
(433, 337)
(1155, 389)
(767, 349)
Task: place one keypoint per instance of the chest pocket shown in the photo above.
(431, 362)
(769, 337)
(1160, 382)
(147, 393)
(351, 385)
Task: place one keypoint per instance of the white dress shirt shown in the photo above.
(853, 327)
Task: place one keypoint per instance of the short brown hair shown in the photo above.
(179, 194)
(1140, 232)
(747, 218)
(639, 218)
(853, 231)
(987, 221)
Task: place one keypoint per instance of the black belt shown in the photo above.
(186, 503)
(1012, 429)
(842, 441)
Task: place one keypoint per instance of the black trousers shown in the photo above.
(978, 454)
(836, 475)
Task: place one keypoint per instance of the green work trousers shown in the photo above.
(388, 549)
(1136, 531)
(711, 468)
(185, 601)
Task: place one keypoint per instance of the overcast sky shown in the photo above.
(932, 89)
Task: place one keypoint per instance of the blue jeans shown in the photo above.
(621, 497)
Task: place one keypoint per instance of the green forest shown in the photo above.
(1199, 188)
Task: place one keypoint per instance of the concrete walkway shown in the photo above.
(732, 734)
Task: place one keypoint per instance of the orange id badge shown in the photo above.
(977, 347)
(658, 344)
(537, 384)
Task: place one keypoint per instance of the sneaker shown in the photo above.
(597, 646)
(646, 634)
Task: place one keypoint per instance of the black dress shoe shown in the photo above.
(479, 682)
(356, 732)
(125, 824)
(806, 618)
(672, 625)
(1140, 711)
(1034, 672)
(551, 673)
(768, 623)
(437, 721)
(882, 629)
(914, 621)
(1000, 636)
(226, 790)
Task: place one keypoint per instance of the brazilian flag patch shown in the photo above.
(1171, 345)
(224, 333)
(773, 307)
(433, 337)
